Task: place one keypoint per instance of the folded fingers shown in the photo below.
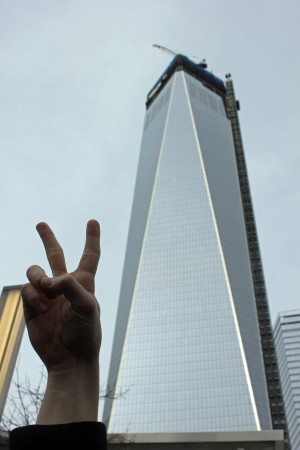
(67, 285)
(33, 301)
(34, 275)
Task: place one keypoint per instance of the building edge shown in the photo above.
(286, 337)
(12, 326)
(260, 293)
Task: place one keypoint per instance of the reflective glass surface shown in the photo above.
(217, 150)
(182, 357)
(150, 149)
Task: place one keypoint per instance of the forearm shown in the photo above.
(71, 395)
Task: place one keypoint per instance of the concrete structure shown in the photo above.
(193, 309)
(11, 331)
(251, 440)
(287, 340)
(238, 440)
(4, 440)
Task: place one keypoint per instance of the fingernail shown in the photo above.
(41, 228)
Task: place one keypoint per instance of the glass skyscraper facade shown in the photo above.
(287, 340)
(187, 342)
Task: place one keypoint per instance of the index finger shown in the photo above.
(54, 251)
(91, 253)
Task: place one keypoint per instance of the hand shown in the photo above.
(61, 313)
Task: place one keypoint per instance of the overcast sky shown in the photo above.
(74, 78)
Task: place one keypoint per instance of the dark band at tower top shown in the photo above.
(198, 71)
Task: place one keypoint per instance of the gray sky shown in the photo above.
(74, 78)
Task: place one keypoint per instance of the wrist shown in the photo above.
(72, 394)
(73, 373)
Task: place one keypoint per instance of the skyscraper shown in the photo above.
(188, 341)
(287, 340)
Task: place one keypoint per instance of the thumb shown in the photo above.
(68, 286)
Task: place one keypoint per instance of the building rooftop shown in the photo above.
(286, 317)
(198, 71)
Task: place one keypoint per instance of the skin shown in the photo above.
(62, 316)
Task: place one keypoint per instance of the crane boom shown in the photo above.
(164, 49)
(202, 63)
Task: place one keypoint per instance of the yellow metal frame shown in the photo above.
(11, 332)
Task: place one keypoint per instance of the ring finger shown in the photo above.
(34, 275)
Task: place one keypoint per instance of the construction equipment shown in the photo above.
(202, 63)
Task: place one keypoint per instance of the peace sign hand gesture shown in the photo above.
(63, 320)
(61, 313)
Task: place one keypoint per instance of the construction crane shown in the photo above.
(202, 63)
(164, 49)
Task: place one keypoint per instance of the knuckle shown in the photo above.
(24, 288)
(67, 280)
(60, 272)
(29, 294)
(55, 251)
(98, 308)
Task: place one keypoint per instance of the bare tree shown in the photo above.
(25, 401)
